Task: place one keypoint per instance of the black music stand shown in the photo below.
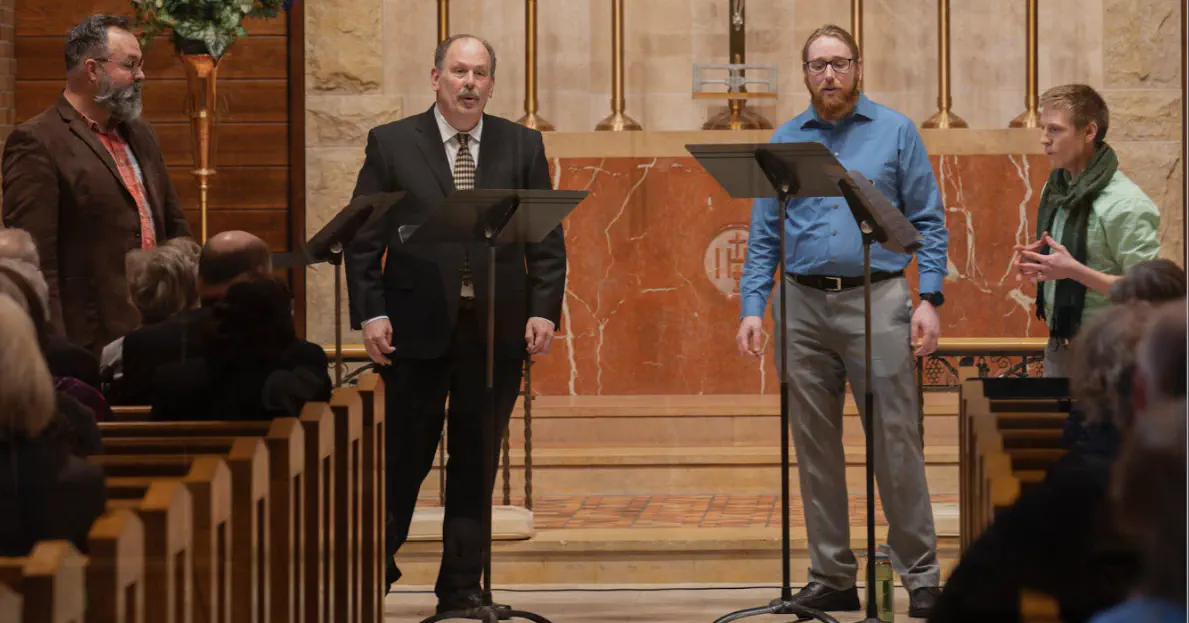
(783, 171)
(879, 221)
(327, 246)
(492, 217)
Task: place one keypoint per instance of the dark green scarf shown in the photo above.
(1078, 198)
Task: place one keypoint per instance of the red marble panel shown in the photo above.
(651, 302)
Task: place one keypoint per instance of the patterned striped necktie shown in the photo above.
(464, 179)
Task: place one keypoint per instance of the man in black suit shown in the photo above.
(423, 311)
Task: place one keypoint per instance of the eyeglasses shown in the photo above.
(129, 64)
(840, 65)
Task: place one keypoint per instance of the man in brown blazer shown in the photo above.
(87, 179)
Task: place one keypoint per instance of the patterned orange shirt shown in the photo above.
(132, 176)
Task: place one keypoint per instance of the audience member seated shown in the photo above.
(45, 491)
(163, 283)
(1160, 363)
(65, 358)
(1148, 498)
(1155, 281)
(80, 405)
(1059, 539)
(253, 366)
(226, 258)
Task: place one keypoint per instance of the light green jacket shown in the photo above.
(1121, 233)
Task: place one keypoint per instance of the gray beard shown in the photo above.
(123, 103)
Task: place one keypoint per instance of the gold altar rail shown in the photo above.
(946, 347)
(649, 144)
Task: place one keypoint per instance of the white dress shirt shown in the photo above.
(450, 140)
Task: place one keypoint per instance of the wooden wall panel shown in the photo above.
(56, 17)
(259, 186)
(251, 57)
(240, 101)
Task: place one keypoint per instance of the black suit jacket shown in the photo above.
(418, 286)
(149, 347)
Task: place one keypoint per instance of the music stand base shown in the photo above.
(779, 606)
(487, 614)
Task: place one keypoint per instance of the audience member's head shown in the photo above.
(27, 403)
(26, 286)
(229, 257)
(1155, 281)
(1148, 495)
(163, 281)
(1103, 364)
(1160, 362)
(17, 244)
(254, 320)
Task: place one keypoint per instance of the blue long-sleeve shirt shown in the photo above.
(821, 236)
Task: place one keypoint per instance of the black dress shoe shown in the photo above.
(467, 601)
(821, 597)
(921, 601)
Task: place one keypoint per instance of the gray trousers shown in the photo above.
(1056, 361)
(825, 348)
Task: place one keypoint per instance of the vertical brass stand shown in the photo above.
(201, 102)
(737, 116)
(1030, 118)
(856, 22)
(443, 19)
(617, 121)
(944, 118)
(532, 117)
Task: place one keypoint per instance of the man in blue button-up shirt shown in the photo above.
(824, 311)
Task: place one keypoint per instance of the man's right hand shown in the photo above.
(1023, 274)
(750, 338)
(377, 339)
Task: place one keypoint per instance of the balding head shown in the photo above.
(229, 257)
(17, 244)
(1160, 363)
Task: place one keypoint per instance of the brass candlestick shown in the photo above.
(443, 20)
(856, 22)
(1030, 118)
(201, 100)
(617, 121)
(532, 117)
(737, 116)
(944, 118)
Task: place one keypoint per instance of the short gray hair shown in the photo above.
(439, 55)
(34, 279)
(17, 244)
(88, 38)
(163, 281)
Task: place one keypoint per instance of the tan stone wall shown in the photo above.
(368, 62)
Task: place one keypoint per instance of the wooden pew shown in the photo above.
(208, 480)
(298, 450)
(166, 513)
(50, 582)
(348, 469)
(373, 526)
(10, 604)
(115, 571)
(247, 540)
(1010, 432)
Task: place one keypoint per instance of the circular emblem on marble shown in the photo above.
(724, 259)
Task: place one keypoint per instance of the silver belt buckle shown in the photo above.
(837, 284)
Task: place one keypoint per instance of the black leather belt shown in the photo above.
(838, 284)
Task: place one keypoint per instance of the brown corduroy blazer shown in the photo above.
(62, 186)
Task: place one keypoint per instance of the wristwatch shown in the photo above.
(934, 298)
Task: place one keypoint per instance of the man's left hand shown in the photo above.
(926, 328)
(538, 334)
(1058, 264)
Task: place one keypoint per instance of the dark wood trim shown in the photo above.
(297, 157)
